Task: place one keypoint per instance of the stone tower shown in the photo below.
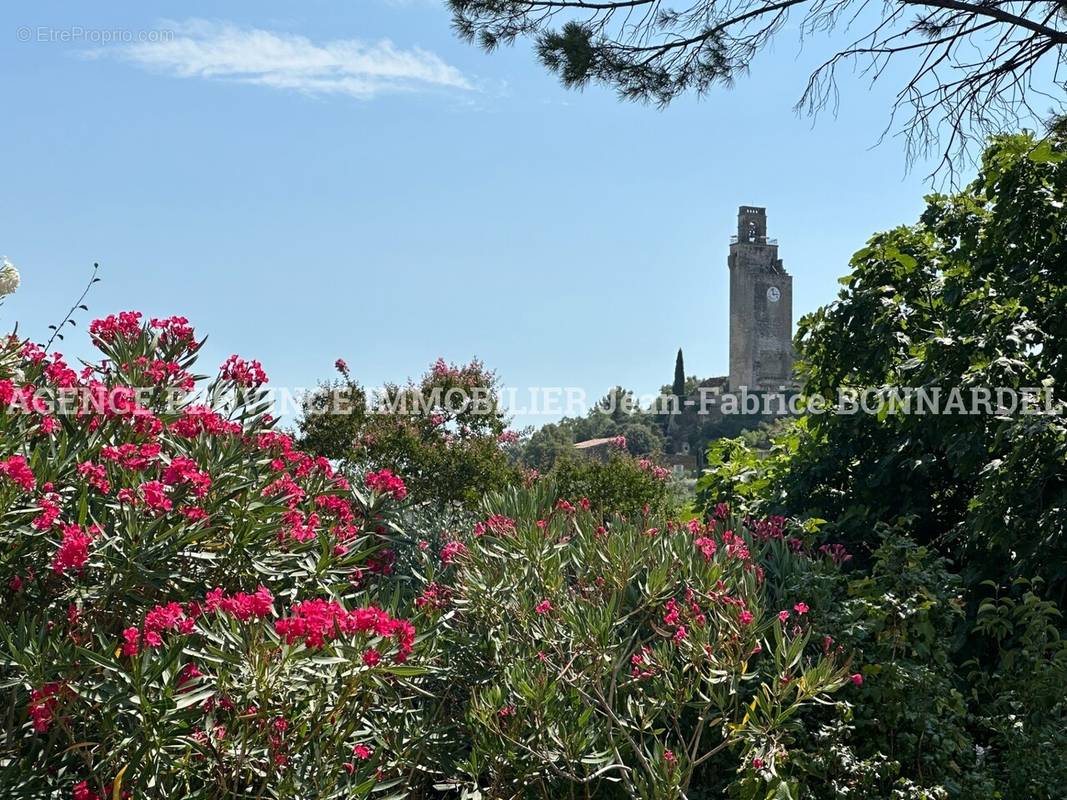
(761, 307)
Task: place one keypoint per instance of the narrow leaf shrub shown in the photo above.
(622, 655)
(188, 603)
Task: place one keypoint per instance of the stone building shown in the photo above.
(599, 449)
(761, 343)
(761, 308)
(761, 355)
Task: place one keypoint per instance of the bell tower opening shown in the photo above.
(752, 225)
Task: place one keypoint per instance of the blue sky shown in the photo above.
(302, 189)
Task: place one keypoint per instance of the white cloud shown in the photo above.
(224, 51)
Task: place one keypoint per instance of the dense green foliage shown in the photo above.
(973, 297)
(624, 657)
(618, 413)
(961, 628)
(445, 434)
(621, 483)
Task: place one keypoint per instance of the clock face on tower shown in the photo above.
(773, 294)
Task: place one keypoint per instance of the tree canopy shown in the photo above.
(446, 434)
(973, 297)
(973, 67)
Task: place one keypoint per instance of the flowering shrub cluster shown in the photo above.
(189, 600)
(195, 607)
(623, 655)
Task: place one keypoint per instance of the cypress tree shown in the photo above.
(679, 375)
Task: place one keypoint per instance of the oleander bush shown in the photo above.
(189, 601)
(622, 655)
(194, 607)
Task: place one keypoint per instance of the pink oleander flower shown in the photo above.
(299, 527)
(184, 472)
(18, 471)
(241, 606)
(73, 550)
(174, 329)
(641, 664)
(59, 374)
(96, 476)
(706, 546)
(673, 614)
(132, 641)
(385, 482)
(746, 617)
(189, 672)
(801, 608)
(42, 706)
(155, 497)
(127, 325)
(243, 373)
(857, 679)
(543, 607)
(199, 419)
(452, 551)
(316, 622)
(168, 617)
(49, 507)
(500, 524)
(434, 596)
